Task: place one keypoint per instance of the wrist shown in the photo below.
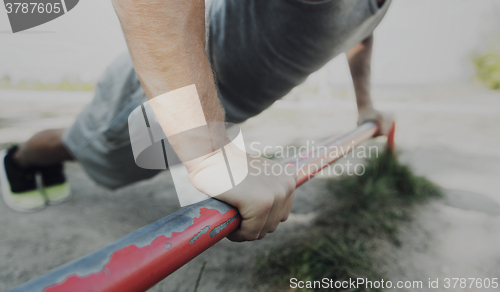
(366, 108)
(363, 100)
(219, 171)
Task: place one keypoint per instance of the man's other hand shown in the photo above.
(383, 120)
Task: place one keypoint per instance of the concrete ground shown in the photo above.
(447, 133)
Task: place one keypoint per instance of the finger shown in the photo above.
(289, 199)
(278, 211)
(251, 228)
(275, 222)
(271, 224)
(288, 209)
(386, 124)
(236, 236)
(248, 231)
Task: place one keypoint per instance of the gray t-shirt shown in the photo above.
(262, 49)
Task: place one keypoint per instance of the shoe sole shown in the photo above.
(6, 193)
(57, 188)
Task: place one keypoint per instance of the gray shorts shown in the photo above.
(259, 49)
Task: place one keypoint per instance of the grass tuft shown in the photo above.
(329, 256)
(488, 69)
(366, 208)
(374, 203)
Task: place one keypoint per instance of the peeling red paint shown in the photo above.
(137, 269)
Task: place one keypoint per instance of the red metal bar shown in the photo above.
(390, 138)
(315, 161)
(141, 259)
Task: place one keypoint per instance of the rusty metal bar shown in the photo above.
(141, 259)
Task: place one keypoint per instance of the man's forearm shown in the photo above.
(359, 59)
(166, 40)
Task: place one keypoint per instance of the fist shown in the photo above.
(383, 120)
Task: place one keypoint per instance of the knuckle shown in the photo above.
(266, 205)
(292, 182)
(281, 195)
(285, 216)
(252, 236)
(290, 191)
(289, 184)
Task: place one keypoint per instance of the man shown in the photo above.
(256, 51)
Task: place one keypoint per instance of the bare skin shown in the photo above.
(43, 149)
(168, 59)
(359, 59)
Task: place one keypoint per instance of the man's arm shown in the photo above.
(359, 59)
(166, 40)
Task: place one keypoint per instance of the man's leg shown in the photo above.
(32, 175)
(43, 149)
(99, 139)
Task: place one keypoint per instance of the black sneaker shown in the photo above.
(21, 188)
(55, 187)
